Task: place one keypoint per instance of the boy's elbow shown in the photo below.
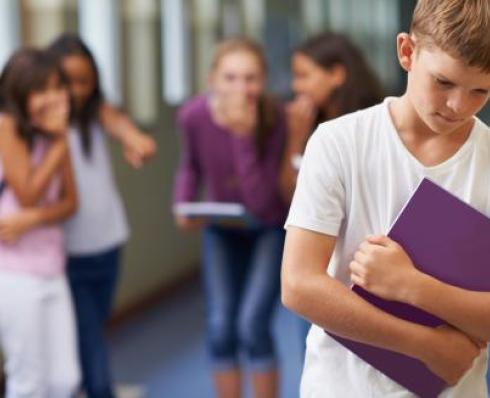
(290, 292)
(484, 336)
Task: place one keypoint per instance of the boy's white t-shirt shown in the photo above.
(355, 177)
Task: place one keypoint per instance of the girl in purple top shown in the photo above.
(37, 332)
(232, 141)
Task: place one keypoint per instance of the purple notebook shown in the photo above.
(448, 239)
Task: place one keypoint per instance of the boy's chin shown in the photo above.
(440, 126)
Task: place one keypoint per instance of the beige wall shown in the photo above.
(157, 253)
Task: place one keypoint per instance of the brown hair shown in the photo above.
(26, 71)
(361, 88)
(459, 27)
(267, 107)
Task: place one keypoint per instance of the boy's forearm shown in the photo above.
(334, 307)
(464, 309)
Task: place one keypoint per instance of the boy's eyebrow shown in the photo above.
(440, 76)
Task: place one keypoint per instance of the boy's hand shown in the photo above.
(14, 226)
(450, 354)
(382, 267)
(138, 148)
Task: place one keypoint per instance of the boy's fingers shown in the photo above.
(356, 268)
(379, 240)
(364, 246)
(356, 280)
(359, 256)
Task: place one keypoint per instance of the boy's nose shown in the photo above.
(458, 103)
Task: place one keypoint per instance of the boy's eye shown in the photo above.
(444, 83)
(481, 91)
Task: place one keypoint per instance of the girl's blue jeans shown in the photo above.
(241, 276)
(92, 280)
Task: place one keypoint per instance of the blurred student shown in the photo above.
(331, 78)
(232, 141)
(97, 232)
(37, 330)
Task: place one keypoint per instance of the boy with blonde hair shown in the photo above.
(357, 173)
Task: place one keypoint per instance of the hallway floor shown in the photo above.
(161, 353)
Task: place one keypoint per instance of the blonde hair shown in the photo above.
(241, 44)
(459, 27)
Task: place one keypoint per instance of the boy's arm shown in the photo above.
(382, 267)
(12, 227)
(27, 182)
(137, 146)
(309, 291)
(467, 310)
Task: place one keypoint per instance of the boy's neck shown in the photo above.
(429, 147)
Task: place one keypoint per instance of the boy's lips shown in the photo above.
(448, 119)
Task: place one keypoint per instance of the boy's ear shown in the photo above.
(405, 47)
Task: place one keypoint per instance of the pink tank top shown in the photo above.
(40, 250)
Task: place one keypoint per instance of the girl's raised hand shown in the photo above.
(138, 148)
(301, 114)
(52, 114)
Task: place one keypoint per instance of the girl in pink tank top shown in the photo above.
(36, 321)
(35, 167)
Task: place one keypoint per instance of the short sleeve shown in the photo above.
(319, 199)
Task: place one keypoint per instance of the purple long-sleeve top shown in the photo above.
(227, 165)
